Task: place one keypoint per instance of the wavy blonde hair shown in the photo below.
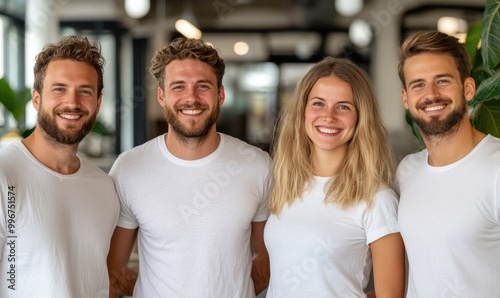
(369, 161)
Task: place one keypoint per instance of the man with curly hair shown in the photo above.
(57, 211)
(194, 198)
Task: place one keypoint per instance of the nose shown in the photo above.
(190, 95)
(432, 92)
(330, 114)
(72, 99)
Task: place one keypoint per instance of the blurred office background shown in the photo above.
(267, 45)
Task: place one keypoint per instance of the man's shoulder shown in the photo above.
(415, 158)
(12, 154)
(141, 149)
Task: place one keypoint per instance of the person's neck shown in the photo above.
(60, 158)
(326, 163)
(445, 150)
(192, 148)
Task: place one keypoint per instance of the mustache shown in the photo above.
(74, 111)
(195, 105)
(433, 101)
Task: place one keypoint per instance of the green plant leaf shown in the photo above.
(472, 40)
(490, 35)
(101, 128)
(488, 89)
(487, 118)
(14, 101)
(22, 98)
(415, 130)
(7, 96)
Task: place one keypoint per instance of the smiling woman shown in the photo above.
(330, 199)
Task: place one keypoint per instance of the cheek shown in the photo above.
(351, 121)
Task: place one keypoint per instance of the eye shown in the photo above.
(86, 92)
(343, 107)
(417, 86)
(317, 103)
(204, 86)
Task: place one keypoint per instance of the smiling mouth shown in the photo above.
(191, 112)
(70, 116)
(434, 108)
(328, 130)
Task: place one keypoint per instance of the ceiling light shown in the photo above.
(348, 8)
(451, 25)
(241, 48)
(186, 24)
(360, 33)
(187, 29)
(137, 8)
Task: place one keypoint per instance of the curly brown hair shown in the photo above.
(76, 48)
(186, 48)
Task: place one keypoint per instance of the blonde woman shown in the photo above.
(333, 214)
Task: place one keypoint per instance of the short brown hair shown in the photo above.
(436, 43)
(70, 47)
(186, 48)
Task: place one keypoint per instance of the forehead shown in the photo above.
(429, 64)
(332, 87)
(70, 70)
(189, 68)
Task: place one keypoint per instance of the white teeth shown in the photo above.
(191, 112)
(70, 117)
(432, 109)
(328, 130)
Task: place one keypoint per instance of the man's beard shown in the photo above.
(441, 128)
(191, 133)
(69, 136)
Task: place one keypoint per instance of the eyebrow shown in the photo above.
(338, 102)
(184, 82)
(438, 76)
(58, 84)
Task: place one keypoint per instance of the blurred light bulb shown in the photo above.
(187, 29)
(241, 48)
(348, 8)
(137, 8)
(451, 25)
(360, 33)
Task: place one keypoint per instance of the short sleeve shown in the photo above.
(382, 218)
(262, 212)
(126, 219)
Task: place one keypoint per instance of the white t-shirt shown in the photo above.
(194, 217)
(55, 229)
(319, 250)
(450, 223)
